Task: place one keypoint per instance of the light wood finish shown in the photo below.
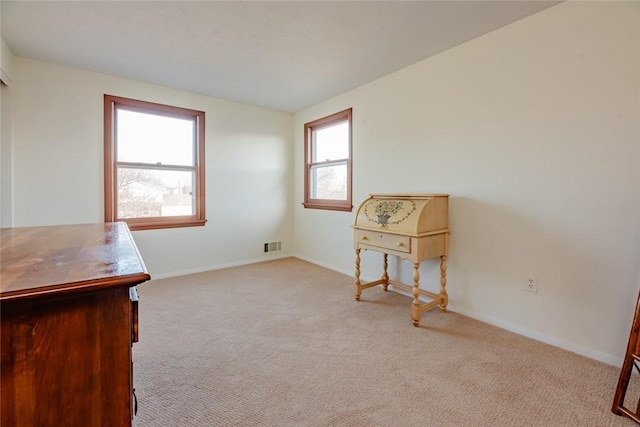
(415, 228)
(68, 323)
(631, 360)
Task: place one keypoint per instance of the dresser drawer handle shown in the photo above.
(399, 244)
(364, 238)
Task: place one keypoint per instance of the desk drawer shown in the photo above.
(390, 241)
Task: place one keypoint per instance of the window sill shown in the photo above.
(348, 207)
(141, 224)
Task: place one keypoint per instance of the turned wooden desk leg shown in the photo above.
(358, 286)
(443, 283)
(385, 275)
(415, 305)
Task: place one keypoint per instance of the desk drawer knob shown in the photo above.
(399, 244)
(364, 238)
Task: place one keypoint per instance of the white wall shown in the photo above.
(6, 136)
(58, 167)
(534, 131)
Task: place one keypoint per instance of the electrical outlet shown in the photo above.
(531, 283)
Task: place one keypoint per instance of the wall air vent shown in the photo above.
(272, 246)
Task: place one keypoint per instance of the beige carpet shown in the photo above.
(283, 343)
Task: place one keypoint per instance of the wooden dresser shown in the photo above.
(69, 318)
(414, 227)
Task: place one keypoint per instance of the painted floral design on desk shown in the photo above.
(387, 212)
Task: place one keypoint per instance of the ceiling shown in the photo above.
(282, 55)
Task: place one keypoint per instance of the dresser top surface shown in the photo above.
(46, 260)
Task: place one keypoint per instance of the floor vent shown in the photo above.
(272, 246)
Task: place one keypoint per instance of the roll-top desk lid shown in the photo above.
(62, 259)
(408, 214)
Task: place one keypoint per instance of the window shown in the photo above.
(327, 154)
(153, 164)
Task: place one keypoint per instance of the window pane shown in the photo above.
(329, 182)
(150, 138)
(331, 143)
(144, 193)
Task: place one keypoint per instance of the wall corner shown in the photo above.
(6, 63)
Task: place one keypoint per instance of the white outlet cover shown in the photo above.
(531, 283)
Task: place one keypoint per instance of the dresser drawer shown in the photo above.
(384, 240)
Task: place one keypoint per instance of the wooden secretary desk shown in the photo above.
(69, 318)
(414, 227)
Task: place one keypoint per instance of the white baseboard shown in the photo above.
(518, 329)
(330, 267)
(539, 336)
(220, 266)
